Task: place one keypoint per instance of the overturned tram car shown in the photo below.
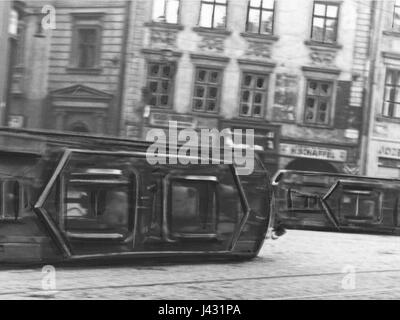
(337, 202)
(73, 198)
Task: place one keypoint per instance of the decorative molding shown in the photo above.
(163, 34)
(259, 49)
(212, 40)
(212, 43)
(331, 71)
(322, 57)
(256, 123)
(211, 31)
(88, 15)
(322, 44)
(257, 65)
(206, 59)
(391, 33)
(75, 70)
(157, 54)
(163, 37)
(80, 92)
(162, 25)
(265, 37)
(322, 54)
(391, 55)
(259, 46)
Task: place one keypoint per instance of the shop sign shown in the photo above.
(389, 152)
(314, 152)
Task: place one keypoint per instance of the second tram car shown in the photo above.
(337, 202)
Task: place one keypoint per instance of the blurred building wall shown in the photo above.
(5, 7)
(382, 149)
(60, 86)
(288, 58)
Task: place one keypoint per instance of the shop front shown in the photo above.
(384, 159)
(317, 157)
(266, 139)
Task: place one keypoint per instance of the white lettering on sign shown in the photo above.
(389, 152)
(295, 150)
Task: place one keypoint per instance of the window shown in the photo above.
(87, 47)
(86, 41)
(253, 95)
(94, 205)
(297, 201)
(160, 84)
(360, 203)
(396, 16)
(213, 14)
(105, 207)
(260, 16)
(193, 208)
(166, 11)
(391, 106)
(318, 102)
(11, 198)
(325, 22)
(20, 49)
(207, 90)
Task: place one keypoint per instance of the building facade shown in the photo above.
(68, 69)
(294, 71)
(382, 148)
(11, 16)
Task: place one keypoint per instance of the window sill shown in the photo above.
(164, 25)
(223, 32)
(312, 43)
(255, 123)
(250, 35)
(391, 33)
(214, 115)
(75, 70)
(381, 118)
(316, 126)
(251, 118)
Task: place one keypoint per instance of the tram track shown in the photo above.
(338, 294)
(36, 292)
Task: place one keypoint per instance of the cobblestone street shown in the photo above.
(301, 265)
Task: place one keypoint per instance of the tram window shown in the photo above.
(97, 208)
(10, 199)
(360, 204)
(193, 207)
(298, 201)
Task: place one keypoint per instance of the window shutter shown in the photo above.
(342, 108)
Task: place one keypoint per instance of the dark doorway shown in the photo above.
(79, 127)
(311, 165)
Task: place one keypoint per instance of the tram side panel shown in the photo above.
(258, 195)
(337, 202)
(23, 238)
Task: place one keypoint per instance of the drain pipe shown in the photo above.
(369, 114)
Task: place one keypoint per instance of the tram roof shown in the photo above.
(37, 142)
